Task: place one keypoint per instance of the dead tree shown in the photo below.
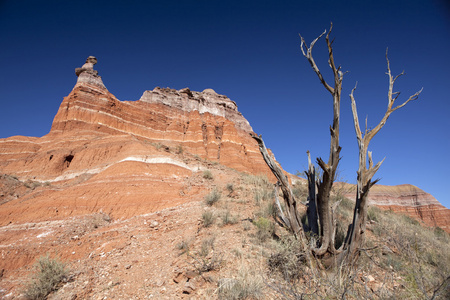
(293, 219)
(355, 235)
(320, 218)
(326, 228)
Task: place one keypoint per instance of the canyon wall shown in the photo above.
(132, 157)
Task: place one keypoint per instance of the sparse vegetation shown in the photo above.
(265, 229)
(184, 246)
(179, 149)
(228, 218)
(372, 213)
(247, 285)
(213, 197)
(208, 218)
(208, 175)
(207, 245)
(48, 277)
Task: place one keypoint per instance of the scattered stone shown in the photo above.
(178, 277)
(191, 274)
(160, 282)
(189, 287)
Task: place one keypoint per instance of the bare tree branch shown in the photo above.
(313, 64)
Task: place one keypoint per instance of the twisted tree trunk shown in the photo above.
(327, 228)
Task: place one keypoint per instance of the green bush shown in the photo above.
(48, 276)
(212, 197)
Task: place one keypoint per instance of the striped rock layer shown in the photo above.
(126, 158)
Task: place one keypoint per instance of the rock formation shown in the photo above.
(133, 157)
(87, 74)
(126, 157)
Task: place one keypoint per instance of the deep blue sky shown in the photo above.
(249, 51)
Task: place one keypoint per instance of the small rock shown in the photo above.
(159, 282)
(128, 267)
(178, 277)
(190, 274)
(189, 287)
(153, 224)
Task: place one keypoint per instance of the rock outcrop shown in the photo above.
(87, 74)
(406, 199)
(411, 200)
(134, 157)
(207, 101)
(126, 157)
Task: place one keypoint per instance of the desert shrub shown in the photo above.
(373, 213)
(228, 218)
(262, 194)
(439, 232)
(300, 191)
(48, 276)
(205, 264)
(184, 246)
(410, 220)
(207, 245)
(265, 229)
(208, 218)
(256, 180)
(288, 260)
(208, 175)
(247, 285)
(212, 197)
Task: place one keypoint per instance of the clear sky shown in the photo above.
(249, 51)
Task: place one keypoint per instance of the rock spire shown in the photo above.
(87, 74)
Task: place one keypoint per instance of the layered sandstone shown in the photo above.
(410, 200)
(125, 157)
(132, 157)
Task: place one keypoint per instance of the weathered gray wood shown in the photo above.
(366, 169)
(326, 227)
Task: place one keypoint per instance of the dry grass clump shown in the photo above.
(417, 254)
(248, 284)
(208, 218)
(213, 197)
(228, 218)
(265, 229)
(288, 260)
(48, 277)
